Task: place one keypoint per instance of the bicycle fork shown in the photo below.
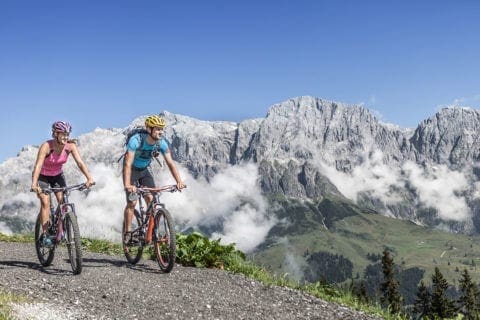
(148, 235)
(61, 220)
(151, 220)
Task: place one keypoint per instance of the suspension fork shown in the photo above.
(151, 222)
(64, 208)
(60, 217)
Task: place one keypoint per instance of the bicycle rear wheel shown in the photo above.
(74, 244)
(164, 240)
(131, 241)
(45, 254)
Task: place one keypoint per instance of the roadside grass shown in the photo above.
(5, 301)
(198, 251)
(324, 291)
(16, 237)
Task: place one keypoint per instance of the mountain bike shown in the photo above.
(151, 226)
(63, 228)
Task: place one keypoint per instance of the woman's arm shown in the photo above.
(41, 155)
(80, 164)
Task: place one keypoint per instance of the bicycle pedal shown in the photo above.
(132, 242)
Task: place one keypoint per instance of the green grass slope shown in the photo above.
(354, 234)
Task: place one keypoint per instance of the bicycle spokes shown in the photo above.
(157, 230)
(45, 254)
(164, 240)
(60, 231)
(72, 235)
(132, 240)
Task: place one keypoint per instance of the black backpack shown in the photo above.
(143, 135)
(143, 132)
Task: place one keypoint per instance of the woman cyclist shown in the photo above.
(48, 172)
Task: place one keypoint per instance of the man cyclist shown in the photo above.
(141, 148)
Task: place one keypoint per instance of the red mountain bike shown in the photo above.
(151, 226)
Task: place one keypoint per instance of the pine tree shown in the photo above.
(442, 307)
(391, 296)
(362, 293)
(468, 301)
(422, 304)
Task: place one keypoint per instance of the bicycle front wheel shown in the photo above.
(164, 240)
(74, 244)
(132, 240)
(45, 254)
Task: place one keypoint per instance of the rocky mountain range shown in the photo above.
(308, 148)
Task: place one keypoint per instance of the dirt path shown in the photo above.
(109, 288)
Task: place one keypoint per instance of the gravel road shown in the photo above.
(110, 288)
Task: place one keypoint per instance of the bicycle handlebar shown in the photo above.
(80, 187)
(167, 188)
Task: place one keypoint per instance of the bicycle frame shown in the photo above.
(58, 215)
(152, 225)
(147, 215)
(63, 228)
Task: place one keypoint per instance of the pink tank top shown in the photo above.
(52, 166)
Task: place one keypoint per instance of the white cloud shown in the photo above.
(233, 197)
(4, 228)
(371, 101)
(371, 176)
(100, 213)
(245, 227)
(438, 188)
(461, 101)
(293, 263)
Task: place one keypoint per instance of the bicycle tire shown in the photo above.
(132, 249)
(45, 254)
(73, 241)
(164, 240)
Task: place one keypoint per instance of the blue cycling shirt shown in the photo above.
(144, 152)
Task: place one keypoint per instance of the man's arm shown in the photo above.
(127, 171)
(173, 170)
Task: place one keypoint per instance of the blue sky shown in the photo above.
(103, 63)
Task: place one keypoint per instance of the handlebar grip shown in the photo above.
(84, 186)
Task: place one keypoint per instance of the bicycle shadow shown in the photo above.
(87, 263)
(105, 263)
(35, 266)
